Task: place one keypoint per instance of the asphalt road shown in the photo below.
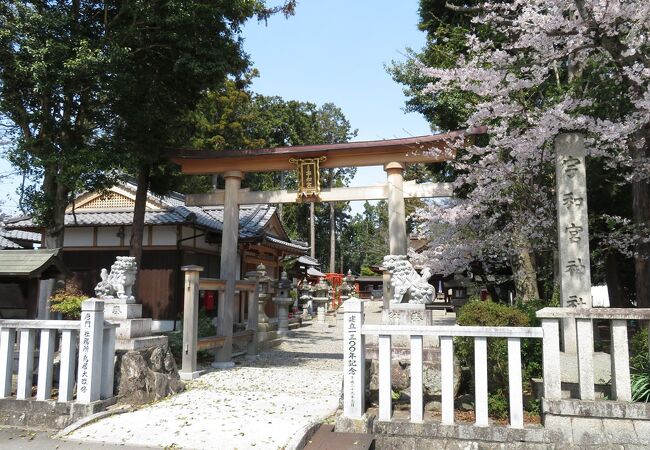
(18, 439)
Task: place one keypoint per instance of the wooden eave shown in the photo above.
(430, 148)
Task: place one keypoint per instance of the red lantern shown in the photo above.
(208, 300)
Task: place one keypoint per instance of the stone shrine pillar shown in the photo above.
(91, 334)
(398, 241)
(396, 211)
(190, 322)
(229, 237)
(573, 232)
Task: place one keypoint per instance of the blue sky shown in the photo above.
(330, 51)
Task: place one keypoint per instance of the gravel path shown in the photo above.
(266, 403)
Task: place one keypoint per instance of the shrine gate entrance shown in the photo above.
(392, 154)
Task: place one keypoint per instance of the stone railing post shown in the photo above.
(91, 333)
(190, 322)
(7, 343)
(551, 359)
(108, 360)
(354, 360)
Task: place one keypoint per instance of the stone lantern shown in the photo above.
(304, 296)
(283, 300)
(347, 288)
(264, 284)
(320, 298)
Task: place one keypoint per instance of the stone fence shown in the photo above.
(86, 346)
(561, 417)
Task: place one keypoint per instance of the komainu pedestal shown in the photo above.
(145, 369)
(116, 291)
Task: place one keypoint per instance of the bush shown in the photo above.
(487, 313)
(639, 350)
(67, 301)
(640, 366)
(205, 328)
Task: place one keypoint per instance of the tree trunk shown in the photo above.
(641, 214)
(312, 230)
(332, 238)
(58, 199)
(617, 297)
(525, 275)
(144, 171)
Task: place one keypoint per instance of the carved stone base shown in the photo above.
(407, 314)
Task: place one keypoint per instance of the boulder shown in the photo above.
(146, 375)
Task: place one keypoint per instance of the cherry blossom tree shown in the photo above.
(531, 69)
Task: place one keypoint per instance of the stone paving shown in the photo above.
(266, 403)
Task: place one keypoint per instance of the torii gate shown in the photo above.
(392, 154)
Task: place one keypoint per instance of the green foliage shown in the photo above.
(67, 301)
(205, 328)
(486, 313)
(498, 404)
(639, 350)
(641, 385)
(90, 89)
(366, 238)
(232, 117)
(367, 271)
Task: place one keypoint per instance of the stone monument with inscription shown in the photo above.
(573, 231)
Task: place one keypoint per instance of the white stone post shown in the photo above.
(91, 333)
(480, 381)
(7, 342)
(514, 383)
(585, 339)
(447, 379)
(621, 386)
(573, 231)
(190, 322)
(68, 363)
(25, 364)
(354, 363)
(396, 211)
(108, 361)
(45, 365)
(551, 359)
(417, 406)
(229, 238)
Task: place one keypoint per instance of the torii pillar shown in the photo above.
(228, 268)
(398, 243)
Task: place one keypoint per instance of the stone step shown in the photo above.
(132, 328)
(328, 439)
(269, 344)
(141, 342)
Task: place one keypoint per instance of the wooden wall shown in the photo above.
(158, 286)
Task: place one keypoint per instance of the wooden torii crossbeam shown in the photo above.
(392, 154)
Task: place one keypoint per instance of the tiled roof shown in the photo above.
(252, 219)
(21, 235)
(6, 243)
(293, 245)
